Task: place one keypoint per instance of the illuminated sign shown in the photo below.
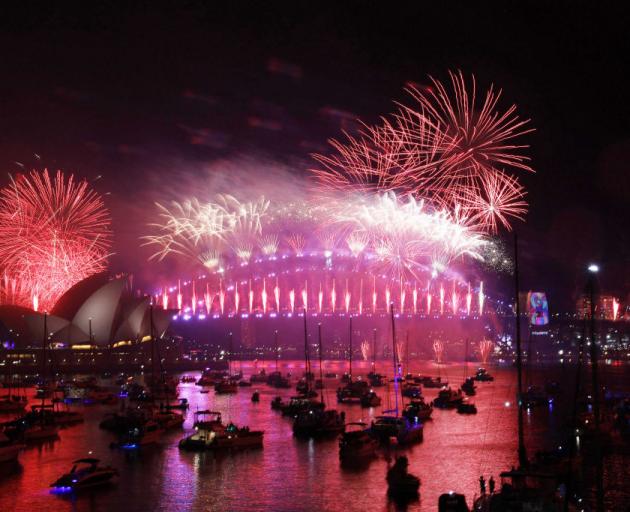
(538, 308)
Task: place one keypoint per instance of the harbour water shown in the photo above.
(291, 474)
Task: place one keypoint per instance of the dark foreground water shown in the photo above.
(290, 474)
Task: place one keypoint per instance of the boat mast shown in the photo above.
(306, 358)
(350, 353)
(599, 470)
(277, 354)
(522, 454)
(321, 375)
(374, 350)
(395, 359)
(44, 343)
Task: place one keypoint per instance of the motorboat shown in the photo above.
(448, 398)
(376, 380)
(319, 422)
(370, 399)
(225, 387)
(181, 405)
(255, 397)
(466, 408)
(185, 379)
(400, 483)
(298, 404)
(452, 502)
(168, 420)
(277, 403)
(468, 387)
(232, 437)
(388, 427)
(418, 410)
(411, 391)
(208, 420)
(430, 382)
(9, 450)
(211, 377)
(276, 380)
(84, 473)
(482, 375)
(356, 444)
(352, 392)
(260, 377)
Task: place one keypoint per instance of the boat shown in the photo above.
(232, 437)
(376, 379)
(418, 410)
(9, 450)
(466, 408)
(225, 387)
(84, 473)
(11, 404)
(244, 384)
(260, 377)
(430, 382)
(277, 403)
(387, 427)
(208, 420)
(255, 397)
(370, 399)
(211, 377)
(411, 391)
(482, 375)
(400, 483)
(356, 444)
(352, 392)
(181, 405)
(168, 420)
(452, 502)
(468, 387)
(143, 435)
(331, 375)
(448, 398)
(534, 396)
(276, 380)
(187, 379)
(318, 422)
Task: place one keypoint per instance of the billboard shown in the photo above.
(538, 308)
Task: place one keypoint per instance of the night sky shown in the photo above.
(144, 94)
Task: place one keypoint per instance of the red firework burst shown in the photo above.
(54, 232)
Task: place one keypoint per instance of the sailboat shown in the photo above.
(227, 385)
(391, 425)
(314, 422)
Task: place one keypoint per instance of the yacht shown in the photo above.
(370, 399)
(356, 444)
(468, 387)
(84, 473)
(418, 410)
(318, 422)
(386, 427)
(448, 398)
(9, 450)
(482, 375)
(352, 392)
(411, 391)
(400, 483)
(429, 382)
(211, 377)
(232, 437)
(208, 420)
(225, 387)
(298, 404)
(466, 408)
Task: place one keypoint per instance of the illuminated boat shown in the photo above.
(9, 450)
(147, 434)
(232, 437)
(84, 473)
(356, 444)
(208, 420)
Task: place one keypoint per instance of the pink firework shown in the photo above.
(438, 350)
(54, 232)
(365, 350)
(485, 349)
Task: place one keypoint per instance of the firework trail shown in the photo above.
(365, 350)
(485, 349)
(438, 350)
(54, 232)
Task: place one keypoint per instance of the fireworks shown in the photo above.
(365, 350)
(54, 232)
(447, 149)
(438, 350)
(485, 349)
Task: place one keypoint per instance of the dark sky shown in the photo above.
(135, 93)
